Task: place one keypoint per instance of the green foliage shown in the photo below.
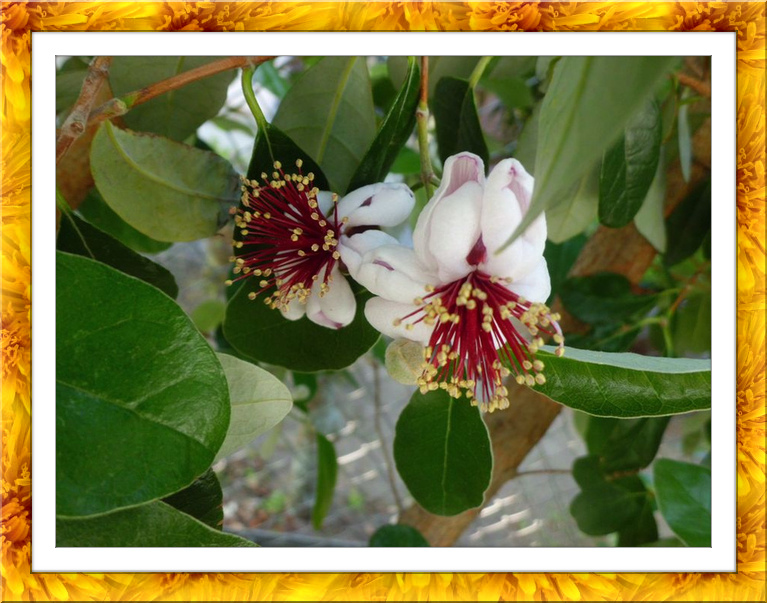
(691, 325)
(78, 237)
(176, 114)
(684, 498)
(560, 258)
(393, 133)
(576, 210)
(626, 385)
(260, 333)
(512, 91)
(259, 402)
(141, 400)
(330, 110)
(690, 222)
(649, 220)
(154, 524)
(603, 297)
(327, 471)
(397, 535)
(624, 444)
(442, 452)
(166, 190)
(439, 67)
(202, 499)
(209, 315)
(457, 123)
(628, 168)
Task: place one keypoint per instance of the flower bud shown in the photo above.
(404, 361)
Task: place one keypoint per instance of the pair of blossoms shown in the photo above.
(478, 313)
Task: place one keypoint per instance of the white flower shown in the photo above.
(480, 314)
(293, 235)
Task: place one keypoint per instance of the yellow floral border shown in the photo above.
(19, 19)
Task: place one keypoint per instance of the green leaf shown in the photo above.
(527, 144)
(259, 402)
(691, 325)
(397, 535)
(684, 138)
(587, 105)
(625, 444)
(68, 86)
(141, 400)
(457, 123)
(262, 334)
(175, 114)
(407, 162)
(154, 524)
(329, 112)
(649, 220)
(643, 528)
(560, 258)
(393, 133)
(97, 212)
(439, 67)
(203, 500)
(269, 77)
(512, 91)
(209, 315)
(327, 470)
(602, 506)
(78, 237)
(689, 224)
(626, 385)
(604, 297)
(684, 498)
(628, 168)
(166, 190)
(576, 211)
(442, 452)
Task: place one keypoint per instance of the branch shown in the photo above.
(422, 121)
(702, 88)
(76, 123)
(120, 106)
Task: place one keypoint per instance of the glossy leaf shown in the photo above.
(602, 298)
(392, 134)
(97, 212)
(457, 123)
(586, 107)
(259, 402)
(626, 385)
(628, 168)
(690, 222)
(141, 400)
(327, 471)
(154, 524)
(684, 498)
(164, 189)
(176, 114)
(330, 111)
(78, 237)
(576, 211)
(625, 444)
(397, 535)
(260, 333)
(442, 452)
(650, 221)
(202, 499)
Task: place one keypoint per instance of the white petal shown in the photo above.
(516, 261)
(295, 310)
(336, 308)
(458, 170)
(353, 248)
(454, 231)
(380, 204)
(394, 273)
(382, 314)
(536, 285)
(325, 202)
(507, 198)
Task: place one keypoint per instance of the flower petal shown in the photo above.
(383, 314)
(379, 204)
(336, 308)
(536, 285)
(458, 170)
(325, 202)
(394, 273)
(295, 310)
(352, 249)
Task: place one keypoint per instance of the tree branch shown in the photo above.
(422, 121)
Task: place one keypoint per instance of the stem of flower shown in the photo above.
(250, 98)
(77, 121)
(422, 123)
(479, 69)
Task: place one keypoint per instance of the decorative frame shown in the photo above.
(19, 19)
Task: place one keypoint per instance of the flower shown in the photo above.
(293, 235)
(478, 311)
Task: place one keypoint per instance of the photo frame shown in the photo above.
(20, 20)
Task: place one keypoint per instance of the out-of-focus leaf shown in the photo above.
(684, 137)
(603, 297)
(327, 470)
(649, 220)
(684, 498)
(397, 535)
(457, 123)
(407, 162)
(691, 325)
(560, 258)
(577, 210)
(688, 224)
(209, 315)
(513, 91)
(439, 67)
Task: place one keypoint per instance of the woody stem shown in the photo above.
(422, 122)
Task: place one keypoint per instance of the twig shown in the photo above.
(422, 121)
(119, 106)
(702, 88)
(543, 472)
(379, 432)
(77, 122)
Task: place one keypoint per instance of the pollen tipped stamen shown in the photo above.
(476, 342)
(286, 239)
